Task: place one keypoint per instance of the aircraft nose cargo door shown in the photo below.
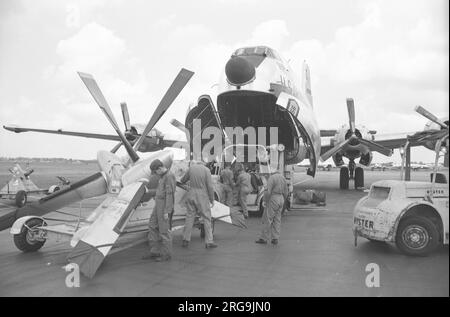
(200, 117)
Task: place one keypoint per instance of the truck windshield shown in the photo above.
(380, 193)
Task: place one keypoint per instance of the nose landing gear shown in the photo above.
(351, 172)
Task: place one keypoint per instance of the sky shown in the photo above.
(389, 55)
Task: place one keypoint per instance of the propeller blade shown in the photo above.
(325, 156)
(96, 93)
(421, 110)
(351, 114)
(117, 147)
(376, 147)
(174, 90)
(92, 186)
(126, 116)
(177, 124)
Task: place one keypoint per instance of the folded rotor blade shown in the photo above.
(421, 110)
(111, 217)
(376, 147)
(92, 186)
(63, 132)
(351, 114)
(174, 90)
(177, 124)
(116, 147)
(325, 156)
(96, 93)
(126, 116)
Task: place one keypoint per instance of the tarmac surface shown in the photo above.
(315, 257)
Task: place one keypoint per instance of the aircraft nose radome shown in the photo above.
(239, 71)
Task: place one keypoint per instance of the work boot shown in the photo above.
(163, 258)
(210, 245)
(261, 241)
(274, 241)
(151, 256)
(185, 244)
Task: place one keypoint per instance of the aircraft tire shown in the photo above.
(359, 177)
(344, 178)
(21, 198)
(22, 240)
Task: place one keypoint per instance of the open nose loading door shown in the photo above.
(199, 118)
(306, 136)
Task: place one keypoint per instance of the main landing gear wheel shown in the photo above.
(359, 177)
(344, 178)
(21, 198)
(28, 240)
(417, 236)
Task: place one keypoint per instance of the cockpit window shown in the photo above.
(257, 51)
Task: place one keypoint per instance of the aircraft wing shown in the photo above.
(392, 140)
(326, 133)
(62, 132)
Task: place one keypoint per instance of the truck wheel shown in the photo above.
(359, 178)
(417, 236)
(21, 198)
(25, 240)
(344, 178)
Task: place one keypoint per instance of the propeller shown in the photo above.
(126, 116)
(174, 90)
(351, 114)
(177, 124)
(421, 110)
(96, 93)
(353, 137)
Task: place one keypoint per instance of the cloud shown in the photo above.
(381, 48)
(93, 48)
(271, 33)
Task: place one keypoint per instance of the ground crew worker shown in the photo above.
(199, 200)
(243, 183)
(227, 180)
(160, 240)
(276, 195)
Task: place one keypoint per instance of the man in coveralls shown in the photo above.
(199, 200)
(160, 240)
(276, 195)
(227, 180)
(243, 183)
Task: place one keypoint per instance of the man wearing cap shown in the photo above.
(160, 240)
(200, 200)
(275, 196)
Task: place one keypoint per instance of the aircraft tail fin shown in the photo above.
(306, 82)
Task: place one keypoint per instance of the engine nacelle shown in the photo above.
(366, 159)
(337, 159)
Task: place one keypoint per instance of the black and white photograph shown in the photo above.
(224, 154)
